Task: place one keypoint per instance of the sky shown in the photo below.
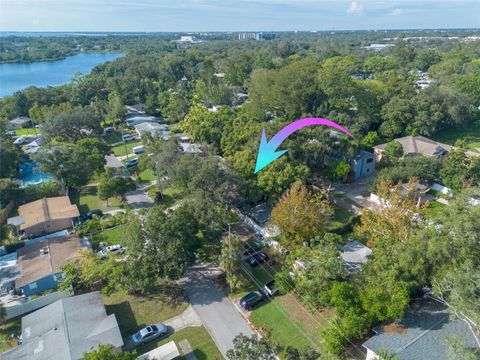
(235, 15)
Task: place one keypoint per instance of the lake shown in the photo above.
(14, 77)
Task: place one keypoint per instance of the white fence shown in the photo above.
(37, 303)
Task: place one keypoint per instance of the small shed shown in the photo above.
(168, 351)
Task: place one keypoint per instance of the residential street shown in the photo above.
(219, 316)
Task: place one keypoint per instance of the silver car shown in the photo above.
(149, 333)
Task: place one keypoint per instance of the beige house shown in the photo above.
(47, 215)
(420, 145)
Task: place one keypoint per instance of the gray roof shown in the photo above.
(112, 162)
(355, 254)
(66, 329)
(261, 213)
(422, 333)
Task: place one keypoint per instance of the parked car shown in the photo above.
(138, 149)
(149, 333)
(111, 250)
(271, 289)
(11, 133)
(107, 130)
(258, 258)
(252, 299)
(89, 215)
(131, 163)
(127, 138)
(20, 141)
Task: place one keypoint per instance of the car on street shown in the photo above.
(131, 163)
(90, 214)
(20, 141)
(252, 299)
(149, 333)
(270, 289)
(127, 138)
(259, 258)
(111, 250)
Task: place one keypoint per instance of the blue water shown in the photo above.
(29, 174)
(14, 77)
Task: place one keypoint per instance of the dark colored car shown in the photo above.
(252, 299)
(258, 258)
(89, 215)
(271, 289)
(149, 333)
(131, 163)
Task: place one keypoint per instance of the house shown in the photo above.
(152, 129)
(191, 148)
(41, 262)
(363, 164)
(354, 254)
(66, 330)
(19, 123)
(135, 109)
(422, 334)
(136, 119)
(416, 145)
(47, 215)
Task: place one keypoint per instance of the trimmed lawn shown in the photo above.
(470, 133)
(12, 327)
(199, 339)
(147, 175)
(119, 150)
(87, 199)
(288, 323)
(435, 209)
(111, 236)
(134, 312)
(27, 131)
(171, 195)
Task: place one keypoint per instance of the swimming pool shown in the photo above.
(30, 174)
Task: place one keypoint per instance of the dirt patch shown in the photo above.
(314, 321)
(394, 328)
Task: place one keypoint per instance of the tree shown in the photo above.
(393, 151)
(72, 125)
(9, 190)
(459, 170)
(458, 349)
(230, 259)
(251, 348)
(105, 352)
(301, 215)
(10, 157)
(116, 108)
(111, 186)
(292, 353)
(395, 222)
(342, 169)
(424, 168)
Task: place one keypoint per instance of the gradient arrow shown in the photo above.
(267, 149)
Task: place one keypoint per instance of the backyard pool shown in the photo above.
(30, 174)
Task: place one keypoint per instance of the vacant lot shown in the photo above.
(13, 327)
(87, 199)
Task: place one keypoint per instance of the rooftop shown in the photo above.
(66, 329)
(46, 257)
(47, 209)
(355, 254)
(421, 334)
(261, 213)
(113, 162)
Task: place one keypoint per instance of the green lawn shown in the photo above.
(113, 137)
(87, 199)
(147, 175)
(435, 209)
(171, 195)
(27, 131)
(119, 150)
(288, 323)
(12, 327)
(134, 312)
(199, 339)
(340, 217)
(470, 133)
(111, 236)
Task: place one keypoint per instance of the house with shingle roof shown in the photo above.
(66, 330)
(422, 334)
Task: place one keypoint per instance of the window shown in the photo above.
(369, 160)
(32, 286)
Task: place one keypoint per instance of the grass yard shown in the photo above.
(27, 131)
(288, 323)
(199, 339)
(87, 199)
(11, 327)
(146, 175)
(113, 137)
(134, 312)
(470, 133)
(111, 236)
(435, 209)
(340, 217)
(119, 150)
(171, 195)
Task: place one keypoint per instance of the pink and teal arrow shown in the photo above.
(267, 149)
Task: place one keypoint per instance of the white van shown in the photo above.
(138, 149)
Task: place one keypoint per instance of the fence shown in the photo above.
(32, 305)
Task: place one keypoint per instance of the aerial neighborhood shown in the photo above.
(135, 224)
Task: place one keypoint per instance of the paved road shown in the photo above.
(219, 316)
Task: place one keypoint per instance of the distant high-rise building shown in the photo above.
(256, 36)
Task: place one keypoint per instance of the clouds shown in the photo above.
(355, 8)
(234, 15)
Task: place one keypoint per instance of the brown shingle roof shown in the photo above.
(54, 208)
(46, 257)
(419, 145)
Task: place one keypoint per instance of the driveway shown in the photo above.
(219, 316)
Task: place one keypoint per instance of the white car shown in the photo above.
(127, 138)
(111, 250)
(19, 141)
